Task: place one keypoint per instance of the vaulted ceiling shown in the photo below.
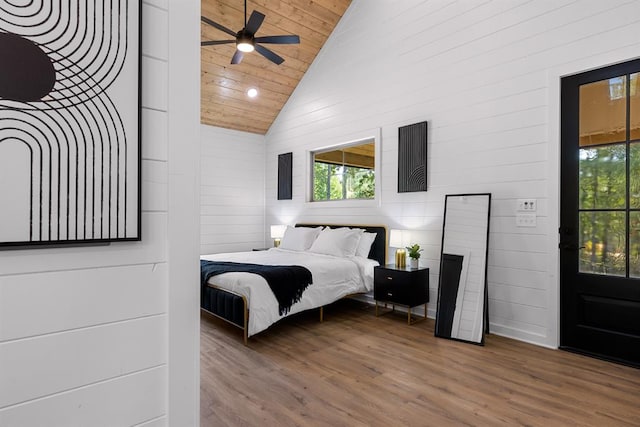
(224, 100)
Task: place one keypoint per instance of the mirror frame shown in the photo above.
(445, 257)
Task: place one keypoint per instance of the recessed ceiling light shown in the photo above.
(252, 93)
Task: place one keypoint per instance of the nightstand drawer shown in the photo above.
(398, 292)
(390, 286)
(389, 276)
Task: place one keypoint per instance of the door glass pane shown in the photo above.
(603, 111)
(634, 175)
(603, 177)
(634, 244)
(635, 106)
(603, 243)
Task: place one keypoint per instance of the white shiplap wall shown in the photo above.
(485, 75)
(232, 190)
(85, 332)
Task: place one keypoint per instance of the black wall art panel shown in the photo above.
(285, 170)
(69, 122)
(412, 158)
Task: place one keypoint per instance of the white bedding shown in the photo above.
(333, 278)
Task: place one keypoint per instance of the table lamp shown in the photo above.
(277, 231)
(399, 239)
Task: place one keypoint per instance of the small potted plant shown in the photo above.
(414, 254)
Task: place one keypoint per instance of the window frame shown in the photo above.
(363, 138)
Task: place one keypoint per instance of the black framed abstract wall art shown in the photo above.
(69, 122)
(285, 176)
(412, 158)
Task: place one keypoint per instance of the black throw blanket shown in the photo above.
(287, 282)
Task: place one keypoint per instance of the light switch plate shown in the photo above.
(527, 205)
(526, 220)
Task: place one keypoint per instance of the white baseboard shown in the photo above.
(501, 330)
(520, 335)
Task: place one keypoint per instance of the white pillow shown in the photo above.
(337, 241)
(299, 238)
(364, 245)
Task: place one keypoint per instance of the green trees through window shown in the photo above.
(332, 182)
(344, 173)
(603, 209)
(609, 177)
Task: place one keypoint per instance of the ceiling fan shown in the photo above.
(246, 41)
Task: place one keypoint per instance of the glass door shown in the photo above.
(600, 213)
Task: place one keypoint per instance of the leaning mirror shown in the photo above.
(462, 287)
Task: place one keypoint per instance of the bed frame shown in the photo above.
(234, 308)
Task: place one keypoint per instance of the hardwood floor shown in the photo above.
(355, 369)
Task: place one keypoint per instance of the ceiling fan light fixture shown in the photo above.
(245, 46)
(244, 42)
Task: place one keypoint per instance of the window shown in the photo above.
(618, 86)
(346, 172)
(608, 183)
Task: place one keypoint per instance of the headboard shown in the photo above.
(378, 248)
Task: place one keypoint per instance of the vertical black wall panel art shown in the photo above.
(412, 158)
(285, 176)
(69, 121)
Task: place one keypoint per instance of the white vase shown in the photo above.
(414, 262)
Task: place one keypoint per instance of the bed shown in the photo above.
(246, 300)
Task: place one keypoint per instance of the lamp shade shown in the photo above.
(277, 231)
(399, 238)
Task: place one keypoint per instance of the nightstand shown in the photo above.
(401, 286)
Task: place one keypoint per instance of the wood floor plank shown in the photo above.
(355, 369)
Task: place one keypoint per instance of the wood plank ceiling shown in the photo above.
(224, 100)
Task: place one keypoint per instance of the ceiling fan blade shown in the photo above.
(278, 39)
(255, 20)
(271, 56)
(237, 57)
(214, 42)
(218, 26)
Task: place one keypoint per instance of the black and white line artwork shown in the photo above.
(412, 158)
(69, 121)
